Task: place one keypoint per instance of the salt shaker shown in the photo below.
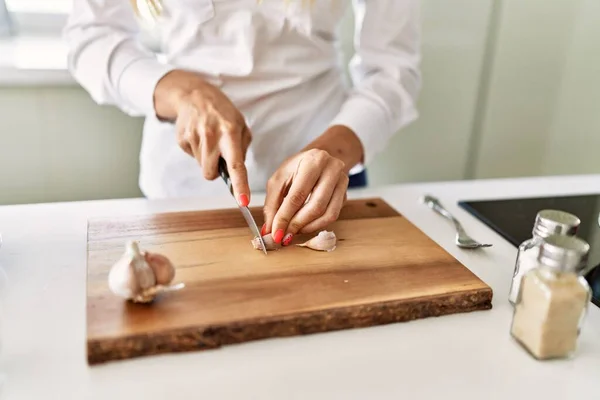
(553, 299)
(547, 222)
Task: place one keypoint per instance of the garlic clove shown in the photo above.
(324, 241)
(269, 243)
(163, 269)
(122, 279)
(144, 274)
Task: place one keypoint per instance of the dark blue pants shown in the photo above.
(358, 180)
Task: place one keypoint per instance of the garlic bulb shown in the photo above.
(269, 243)
(131, 274)
(140, 276)
(324, 241)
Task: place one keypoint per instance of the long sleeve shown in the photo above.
(384, 71)
(106, 58)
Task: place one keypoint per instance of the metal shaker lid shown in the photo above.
(555, 222)
(565, 253)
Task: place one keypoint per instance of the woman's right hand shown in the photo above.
(208, 126)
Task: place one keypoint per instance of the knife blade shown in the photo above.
(245, 210)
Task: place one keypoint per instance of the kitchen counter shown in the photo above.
(43, 321)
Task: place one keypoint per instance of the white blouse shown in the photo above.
(279, 61)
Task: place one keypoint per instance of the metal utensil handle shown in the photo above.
(436, 206)
(225, 174)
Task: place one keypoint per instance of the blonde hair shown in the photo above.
(154, 7)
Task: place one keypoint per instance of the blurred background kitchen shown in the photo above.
(511, 88)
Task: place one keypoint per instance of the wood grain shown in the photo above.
(384, 270)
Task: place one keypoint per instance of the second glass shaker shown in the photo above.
(547, 222)
(553, 299)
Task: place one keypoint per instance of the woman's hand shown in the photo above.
(208, 125)
(312, 175)
(318, 174)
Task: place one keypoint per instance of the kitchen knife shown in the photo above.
(245, 211)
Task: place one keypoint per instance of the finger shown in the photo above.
(192, 138)
(333, 209)
(184, 124)
(233, 154)
(209, 151)
(303, 182)
(246, 140)
(276, 190)
(316, 206)
(184, 145)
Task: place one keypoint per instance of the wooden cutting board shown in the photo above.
(383, 270)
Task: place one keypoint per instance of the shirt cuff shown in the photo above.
(137, 81)
(369, 122)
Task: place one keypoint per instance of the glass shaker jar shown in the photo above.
(547, 222)
(553, 299)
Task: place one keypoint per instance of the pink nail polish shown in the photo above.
(287, 239)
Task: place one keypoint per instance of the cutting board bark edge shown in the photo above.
(188, 339)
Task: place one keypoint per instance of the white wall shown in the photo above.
(519, 102)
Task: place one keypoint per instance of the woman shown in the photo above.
(260, 83)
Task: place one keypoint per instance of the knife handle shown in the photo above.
(225, 174)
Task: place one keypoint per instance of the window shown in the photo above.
(37, 16)
(5, 25)
(39, 6)
(48, 18)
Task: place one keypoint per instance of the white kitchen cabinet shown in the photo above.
(540, 109)
(56, 144)
(437, 146)
(573, 144)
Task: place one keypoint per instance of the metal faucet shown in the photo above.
(6, 23)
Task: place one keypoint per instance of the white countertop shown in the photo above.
(466, 356)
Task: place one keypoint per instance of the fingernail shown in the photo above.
(278, 236)
(287, 239)
(263, 230)
(244, 200)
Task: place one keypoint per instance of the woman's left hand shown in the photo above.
(314, 175)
